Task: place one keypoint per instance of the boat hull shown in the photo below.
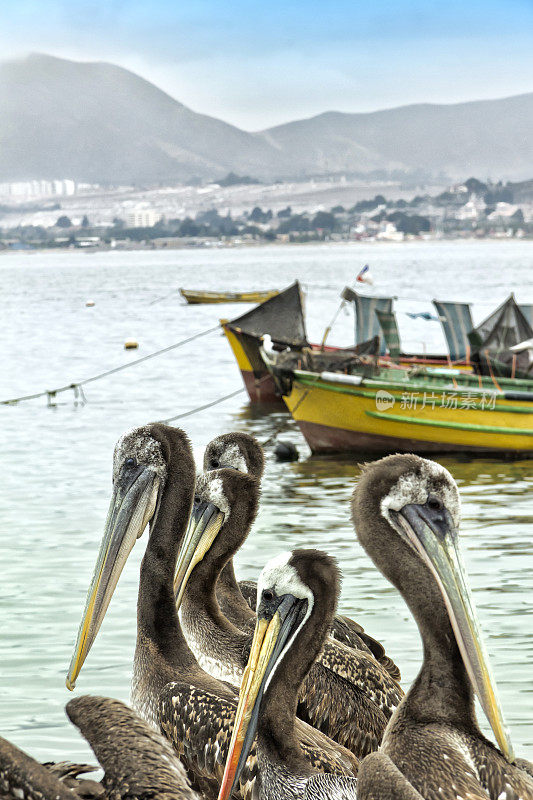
(258, 382)
(198, 297)
(337, 418)
(324, 439)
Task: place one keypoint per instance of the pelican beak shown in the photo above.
(133, 505)
(205, 522)
(433, 535)
(273, 630)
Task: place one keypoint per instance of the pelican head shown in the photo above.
(290, 587)
(140, 473)
(407, 512)
(224, 508)
(237, 450)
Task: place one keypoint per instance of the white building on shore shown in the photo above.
(30, 190)
(142, 217)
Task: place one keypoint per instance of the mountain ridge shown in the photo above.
(101, 123)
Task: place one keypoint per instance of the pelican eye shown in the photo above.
(129, 462)
(268, 595)
(434, 503)
(197, 500)
(214, 463)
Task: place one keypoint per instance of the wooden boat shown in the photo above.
(283, 318)
(394, 410)
(194, 297)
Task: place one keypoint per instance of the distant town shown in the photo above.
(239, 210)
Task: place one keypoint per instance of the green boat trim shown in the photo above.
(408, 384)
(330, 387)
(463, 426)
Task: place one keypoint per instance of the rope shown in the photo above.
(50, 393)
(202, 408)
(331, 324)
(163, 297)
(495, 382)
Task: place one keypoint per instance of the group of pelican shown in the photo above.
(261, 691)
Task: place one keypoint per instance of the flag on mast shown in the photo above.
(364, 276)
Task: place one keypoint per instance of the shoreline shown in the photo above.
(216, 245)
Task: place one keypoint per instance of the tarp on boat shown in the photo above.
(366, 322)
(391, 334)
(456, 321)
(282, 317)
(492, 340)
(527, 311)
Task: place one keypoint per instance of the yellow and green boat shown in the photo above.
(396, 410)
(199, 296)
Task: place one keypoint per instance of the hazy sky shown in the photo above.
(257, 64)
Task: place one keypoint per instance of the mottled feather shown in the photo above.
(200, 727)
(23, 777)
(332, 787)
(138, 762)
(449, 765)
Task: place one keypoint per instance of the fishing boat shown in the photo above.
(197, 297)
(376, 332)
(282, 317)
(423, 410)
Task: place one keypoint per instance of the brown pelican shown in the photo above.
(137, 761)
(297, 594)
(244, 453)
(347, 694)
(406, 512)
(153, 482)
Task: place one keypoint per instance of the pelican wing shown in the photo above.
(323, 754)
(349, 632)
(23, 776)
(364, 672)
(199, 724)
(137, 760)
(341, 710)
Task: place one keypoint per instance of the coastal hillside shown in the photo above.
(490, 138)
(100, 123)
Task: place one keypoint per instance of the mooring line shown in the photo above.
(76, 387)
(202, 408)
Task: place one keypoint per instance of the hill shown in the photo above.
(100, 123)
(489, 138)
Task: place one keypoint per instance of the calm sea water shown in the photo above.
(56, 462)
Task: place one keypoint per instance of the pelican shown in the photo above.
(406, 511)
(137, 761)
(347, 694)
(153, 483)
(243, 452)
(297, 593)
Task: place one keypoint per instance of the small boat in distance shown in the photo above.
(196, 297)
